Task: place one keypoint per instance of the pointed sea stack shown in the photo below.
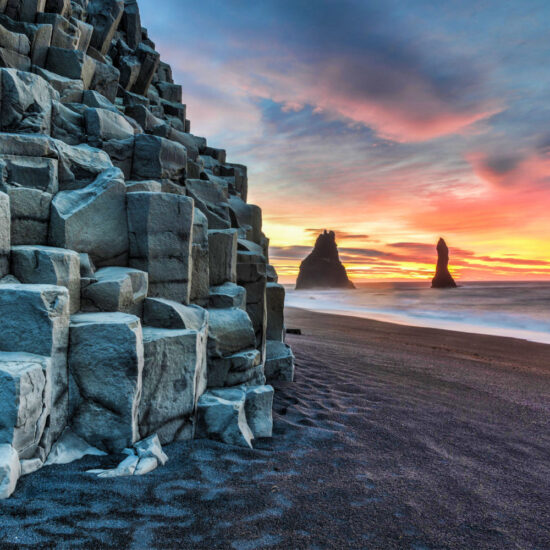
(443, 278)
(322, 268)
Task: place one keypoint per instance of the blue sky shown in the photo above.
(398, 120)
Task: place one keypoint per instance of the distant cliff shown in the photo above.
(322, 268)
(443, 278)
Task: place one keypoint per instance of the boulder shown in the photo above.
(149, 61)
(200, 277)
(279, 363)
(228, 295)
(116, 289)
(32, 172)
(221, 416)
(25, 387)
(105, 80)
(103, 125)
(44, 265)
(160, 226)
(158, 158)
(70, 90)
(30, 214)
(93, 220)
(72, 64)
(235, 369)
(45, 308)
(69, 448)
(258, 409)
(222, 246)
(105, 366)
(131, 23)
(104, 16)
(230, 331)
(275, 297)
(175, 366)
(10, 470)
(162, 313)
(26, 103)
(5, 231)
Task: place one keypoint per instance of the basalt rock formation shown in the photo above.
(322, 268)
(443, 278)
(137, 304)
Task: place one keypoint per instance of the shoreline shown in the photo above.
(450, 326)
(390, 437)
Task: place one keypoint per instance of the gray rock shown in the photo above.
(149, 61)
(150, 447)
(131, 23)
(230, 331)
(72, 64)
(105, 365)
(116, 289)
(221, 416)
(227, 295)
(158, 158)
(10, 470)
(249, 217)
(104, 16)
(16, 42)
(30, 214)
(105, 80)
(222, 245)
(93, 220)
(32, 172)
(5, 231)
(103, 125)
(160, 226)
(222, 371)
(279, 363)
(44, 265)
(26, 101)
(67, 124)
(200, 277)
(69, 448)
(45, 308)
(275, 297)
(25, 387)
(162, 313)
(258, 408)
(175, 365)
(70, 90)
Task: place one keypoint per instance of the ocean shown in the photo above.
(514, 309)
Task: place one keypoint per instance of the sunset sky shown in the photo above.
(391, 122)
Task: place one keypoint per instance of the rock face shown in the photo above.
(137, 302)
(322, 268)
(443, 278)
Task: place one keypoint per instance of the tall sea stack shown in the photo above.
(443, 278)
(322, 268)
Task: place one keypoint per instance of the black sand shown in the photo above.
(391, 437)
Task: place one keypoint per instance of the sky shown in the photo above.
(391, 122)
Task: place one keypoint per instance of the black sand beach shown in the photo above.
(390, 437)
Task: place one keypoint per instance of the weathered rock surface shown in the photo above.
(106, 365)
(258, 409)
(443, 278)
(160, 227)
(45, 265)
(279, 363)
(10, 470)
(112, 211)
(221, 416)
(322, 268)
(173, 374)
(45, 308)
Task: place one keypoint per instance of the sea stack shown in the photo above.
(443, 278)
(322, 268)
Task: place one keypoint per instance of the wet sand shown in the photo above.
(390, 437)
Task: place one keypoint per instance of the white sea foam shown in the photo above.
(519, 310)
